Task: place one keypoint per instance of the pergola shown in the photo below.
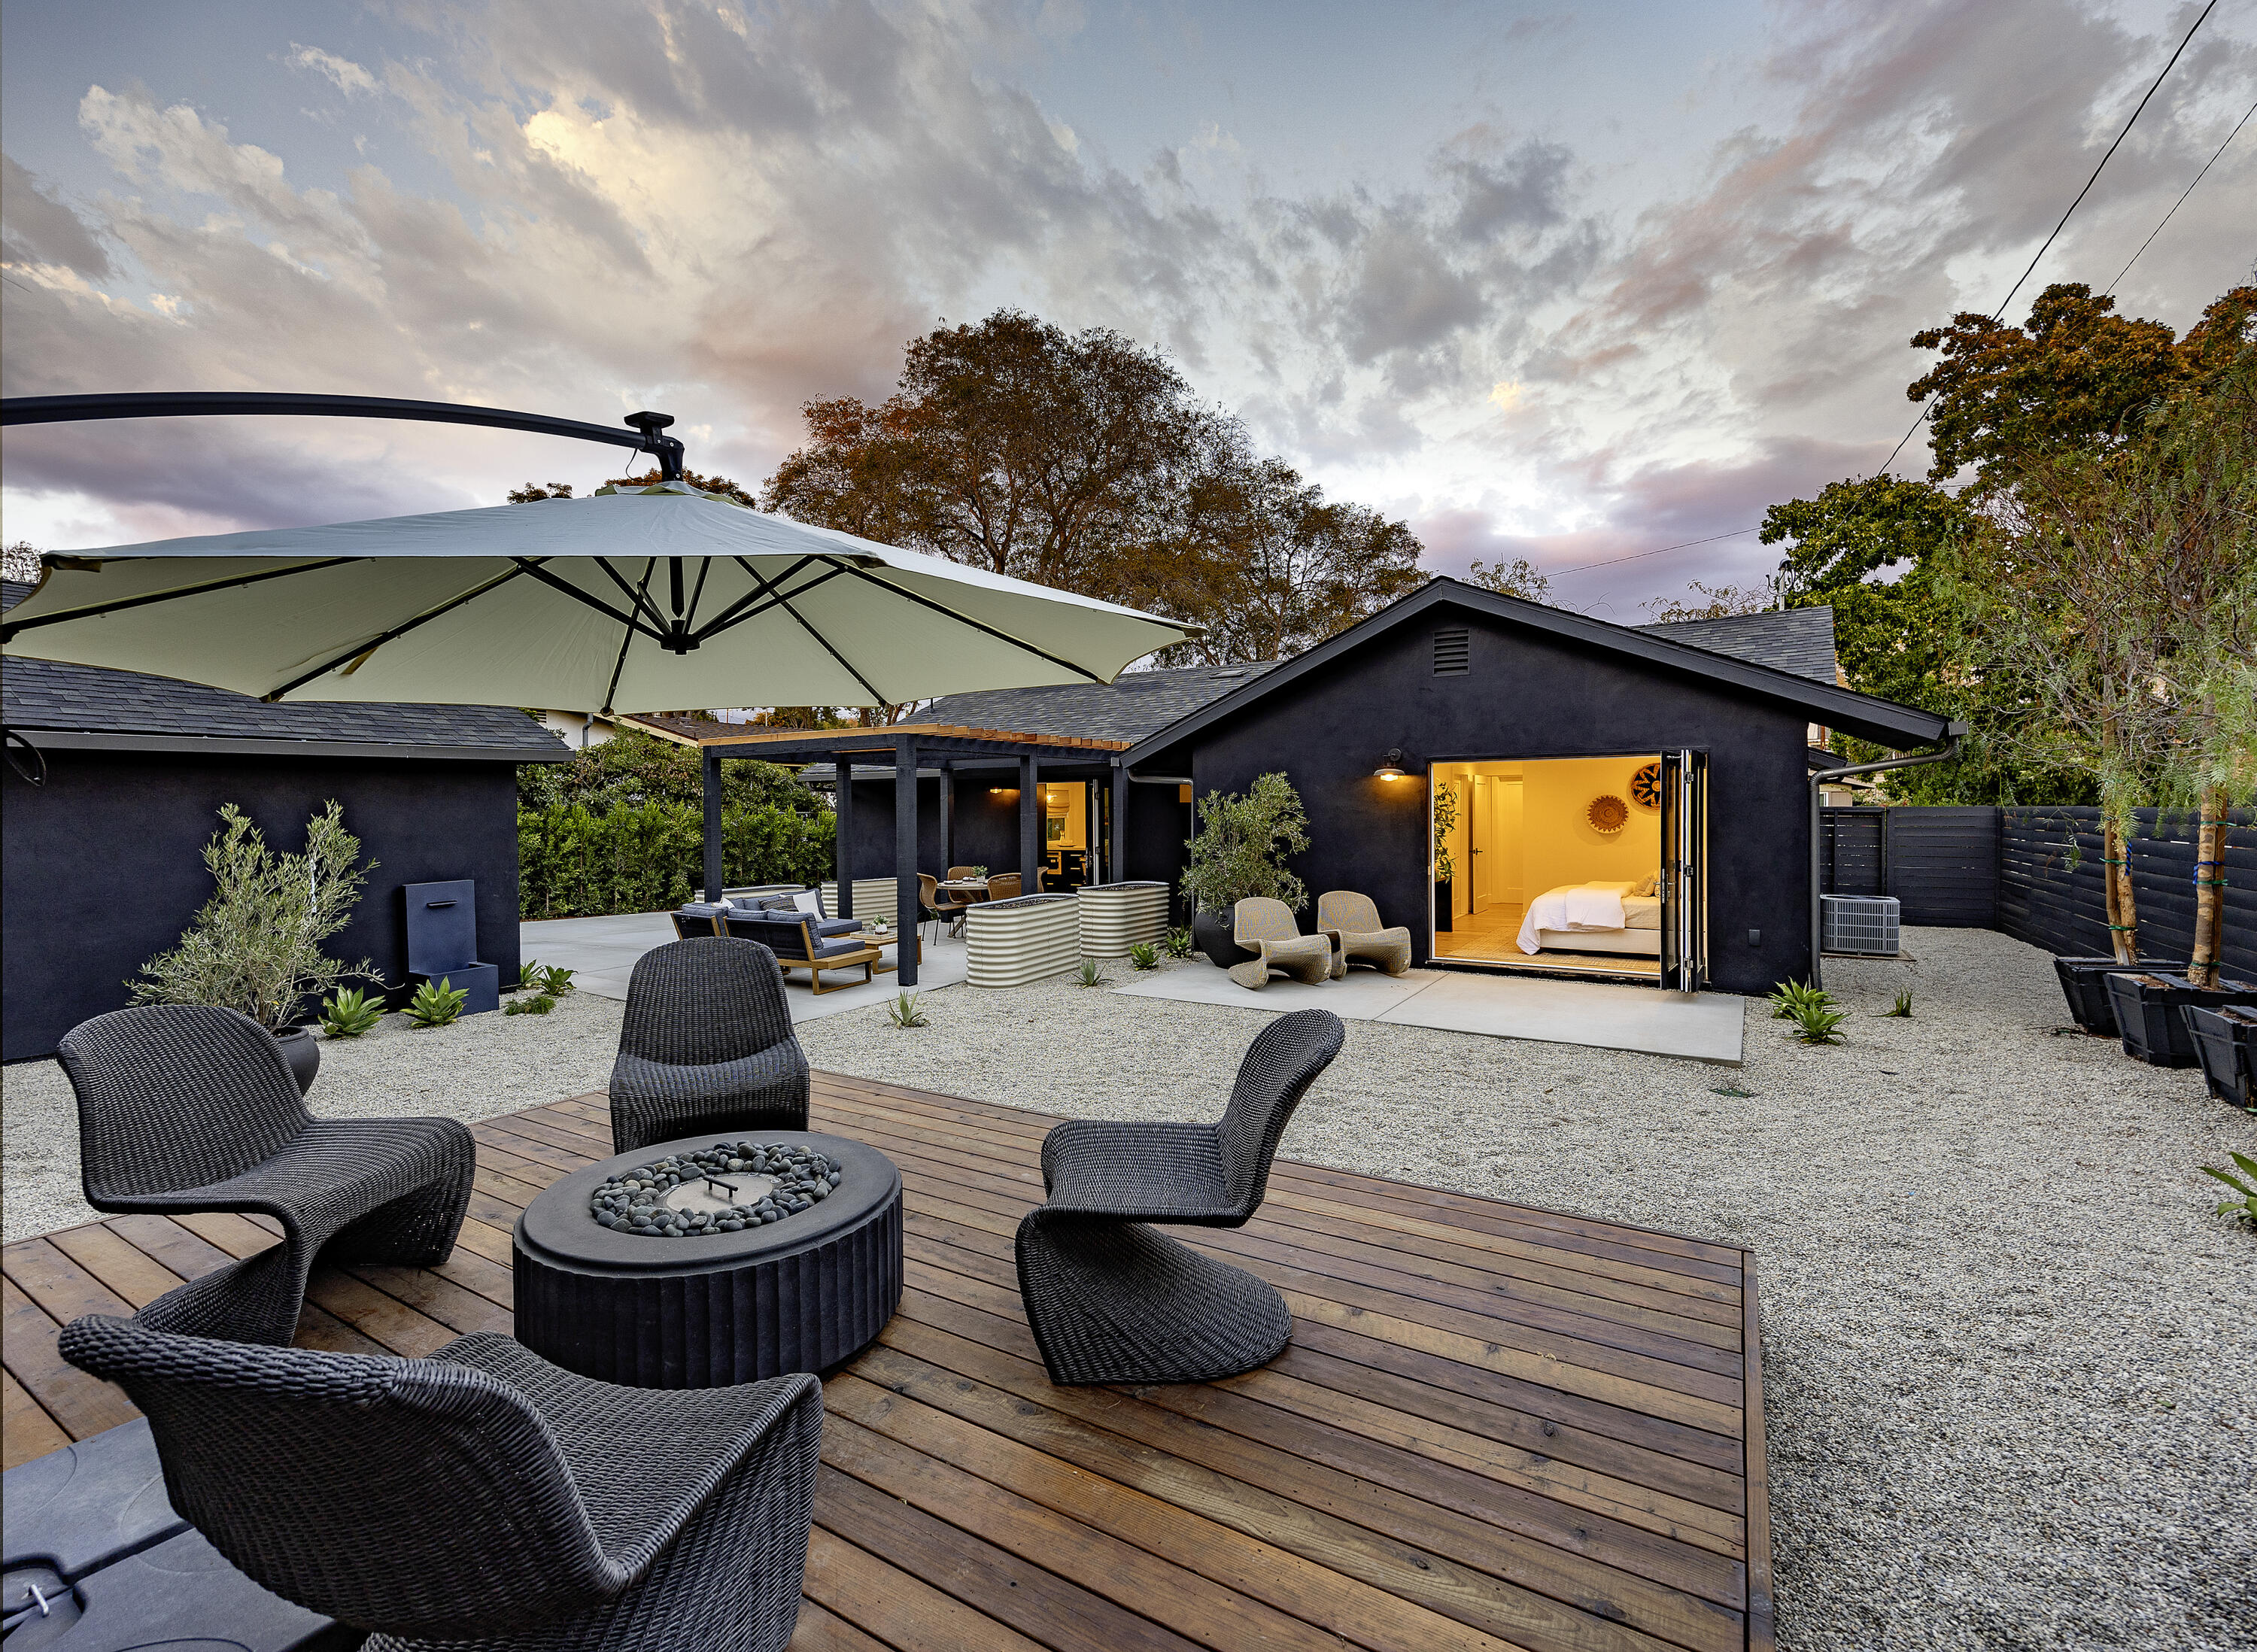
(906, 746)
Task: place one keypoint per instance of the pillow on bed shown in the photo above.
(1650, 886)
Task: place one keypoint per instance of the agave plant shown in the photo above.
(1179, 943)
(553, 978)
(1145, 956)
(1817, 1022)
(1902, 1007)
(349, 1012)
(1788, 998)
(1092, 973)
(908, 1010)
(437, 1003)
(2245, 1205)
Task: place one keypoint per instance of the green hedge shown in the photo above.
(574, 863)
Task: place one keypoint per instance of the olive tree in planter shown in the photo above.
(256, 946)
(1239, 852)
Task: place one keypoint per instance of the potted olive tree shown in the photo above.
(1239, 852)
(256, 946)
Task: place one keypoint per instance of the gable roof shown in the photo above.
(67, 707)
(1135, 704)
(1797, 640)
(1884, 722)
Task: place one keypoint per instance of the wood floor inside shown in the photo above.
(1495, 1426)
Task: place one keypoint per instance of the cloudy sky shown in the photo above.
(1567, 280)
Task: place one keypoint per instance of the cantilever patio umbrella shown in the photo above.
(632, 599)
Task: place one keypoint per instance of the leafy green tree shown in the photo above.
(1519, 577)
(1238, 850)
(634, 768)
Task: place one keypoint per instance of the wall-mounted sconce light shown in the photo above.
(1392, 769)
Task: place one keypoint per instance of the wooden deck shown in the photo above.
(1495, 1426)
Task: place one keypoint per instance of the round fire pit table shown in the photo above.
(803, 1292)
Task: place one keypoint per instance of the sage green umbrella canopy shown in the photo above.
(632, 599)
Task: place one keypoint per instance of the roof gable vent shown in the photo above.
(1454, 649)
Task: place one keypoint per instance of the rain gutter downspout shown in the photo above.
(1953, 732)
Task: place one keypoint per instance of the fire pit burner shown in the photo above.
(722, 1188)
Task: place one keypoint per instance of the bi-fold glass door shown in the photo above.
(1684, 870)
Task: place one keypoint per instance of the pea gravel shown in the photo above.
(2009, 1348)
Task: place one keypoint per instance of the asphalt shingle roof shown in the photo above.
(1799, 640)
(47, 695)
(1134, 705)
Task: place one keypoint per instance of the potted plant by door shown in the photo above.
(1239, 852)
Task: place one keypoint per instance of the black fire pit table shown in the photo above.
(713, 1259)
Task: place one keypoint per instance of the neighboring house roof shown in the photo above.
(1820, 699)
(1798, 640)
(66, 707)
(1135, 704)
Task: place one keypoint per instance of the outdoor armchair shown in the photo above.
(705, 1045)
(1112, 1299)
(183, 1107)
(482, 1498)
(1351, 922)
(948, 907)
(1266, 928)
(1004, 887)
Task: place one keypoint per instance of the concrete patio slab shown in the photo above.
(601, 952)
(1692, 1026)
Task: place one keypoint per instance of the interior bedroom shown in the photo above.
(1553, 865)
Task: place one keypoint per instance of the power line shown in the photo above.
(2183, 194)
(1636, 555)
(2047, 246)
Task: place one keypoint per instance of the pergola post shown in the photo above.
(841, 855)
(1116, 868)
(907, 894)
(1031, 825)
(947, 815)
(710, 764)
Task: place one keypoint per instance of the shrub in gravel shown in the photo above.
(437, 1003)
(1145, 956)
(538, 1004)
(1901, 1007)
(348, 1012)
(1817, 1023)
(1179, 943)
(1788, 998)
(1090, 974)
(908, 1010)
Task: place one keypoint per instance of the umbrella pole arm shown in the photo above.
(646, 436)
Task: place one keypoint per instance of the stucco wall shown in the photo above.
(1526, 695)
(103, 866)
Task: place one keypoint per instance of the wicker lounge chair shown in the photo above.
(1111, 1299)
(1351, 922)
(706, 1044)
(182, 1107)
(482, 1498)
(1004, 887)
(1266, 928)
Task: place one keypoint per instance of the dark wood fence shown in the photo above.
(2034, 874)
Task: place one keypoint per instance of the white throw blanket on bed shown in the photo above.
(1591, 906)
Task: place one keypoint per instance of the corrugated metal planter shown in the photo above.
(1011, 942)
(874, 898)
(1116, 916)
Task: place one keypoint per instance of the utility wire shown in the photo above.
(1636, 555)
(2047, 245)
(2183, 194)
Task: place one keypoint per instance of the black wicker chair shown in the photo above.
(182, 1108)
(1110, 1298)
(706, 1045)
(483, 1497)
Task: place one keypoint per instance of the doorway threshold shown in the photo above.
(1561, 965)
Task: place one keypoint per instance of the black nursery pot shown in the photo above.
(2148, 1018)
(303, 1051)
(1210, 935)
(1443, 904)
(2084, 984)
(2225, 1043)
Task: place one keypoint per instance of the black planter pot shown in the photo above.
(2084, 984)
(2226, 1046)
(1442, 904)
(303, 1051)
(2148, 1018)
(1210, 935)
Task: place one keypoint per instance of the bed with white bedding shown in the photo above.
(1593, 917)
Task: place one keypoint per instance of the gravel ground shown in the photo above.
(477, 1068)
(2007, 1346)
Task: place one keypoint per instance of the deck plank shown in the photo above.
(1496, 1427)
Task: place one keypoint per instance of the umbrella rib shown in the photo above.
(359, 650)
(626, 641)
(784, 602)
(8, 630)
(579, 595)
(967, 620)
(697, 593)
(639, 595)
(751, 605)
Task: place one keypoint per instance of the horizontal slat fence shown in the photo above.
(2034, 874)
(2049, 885)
